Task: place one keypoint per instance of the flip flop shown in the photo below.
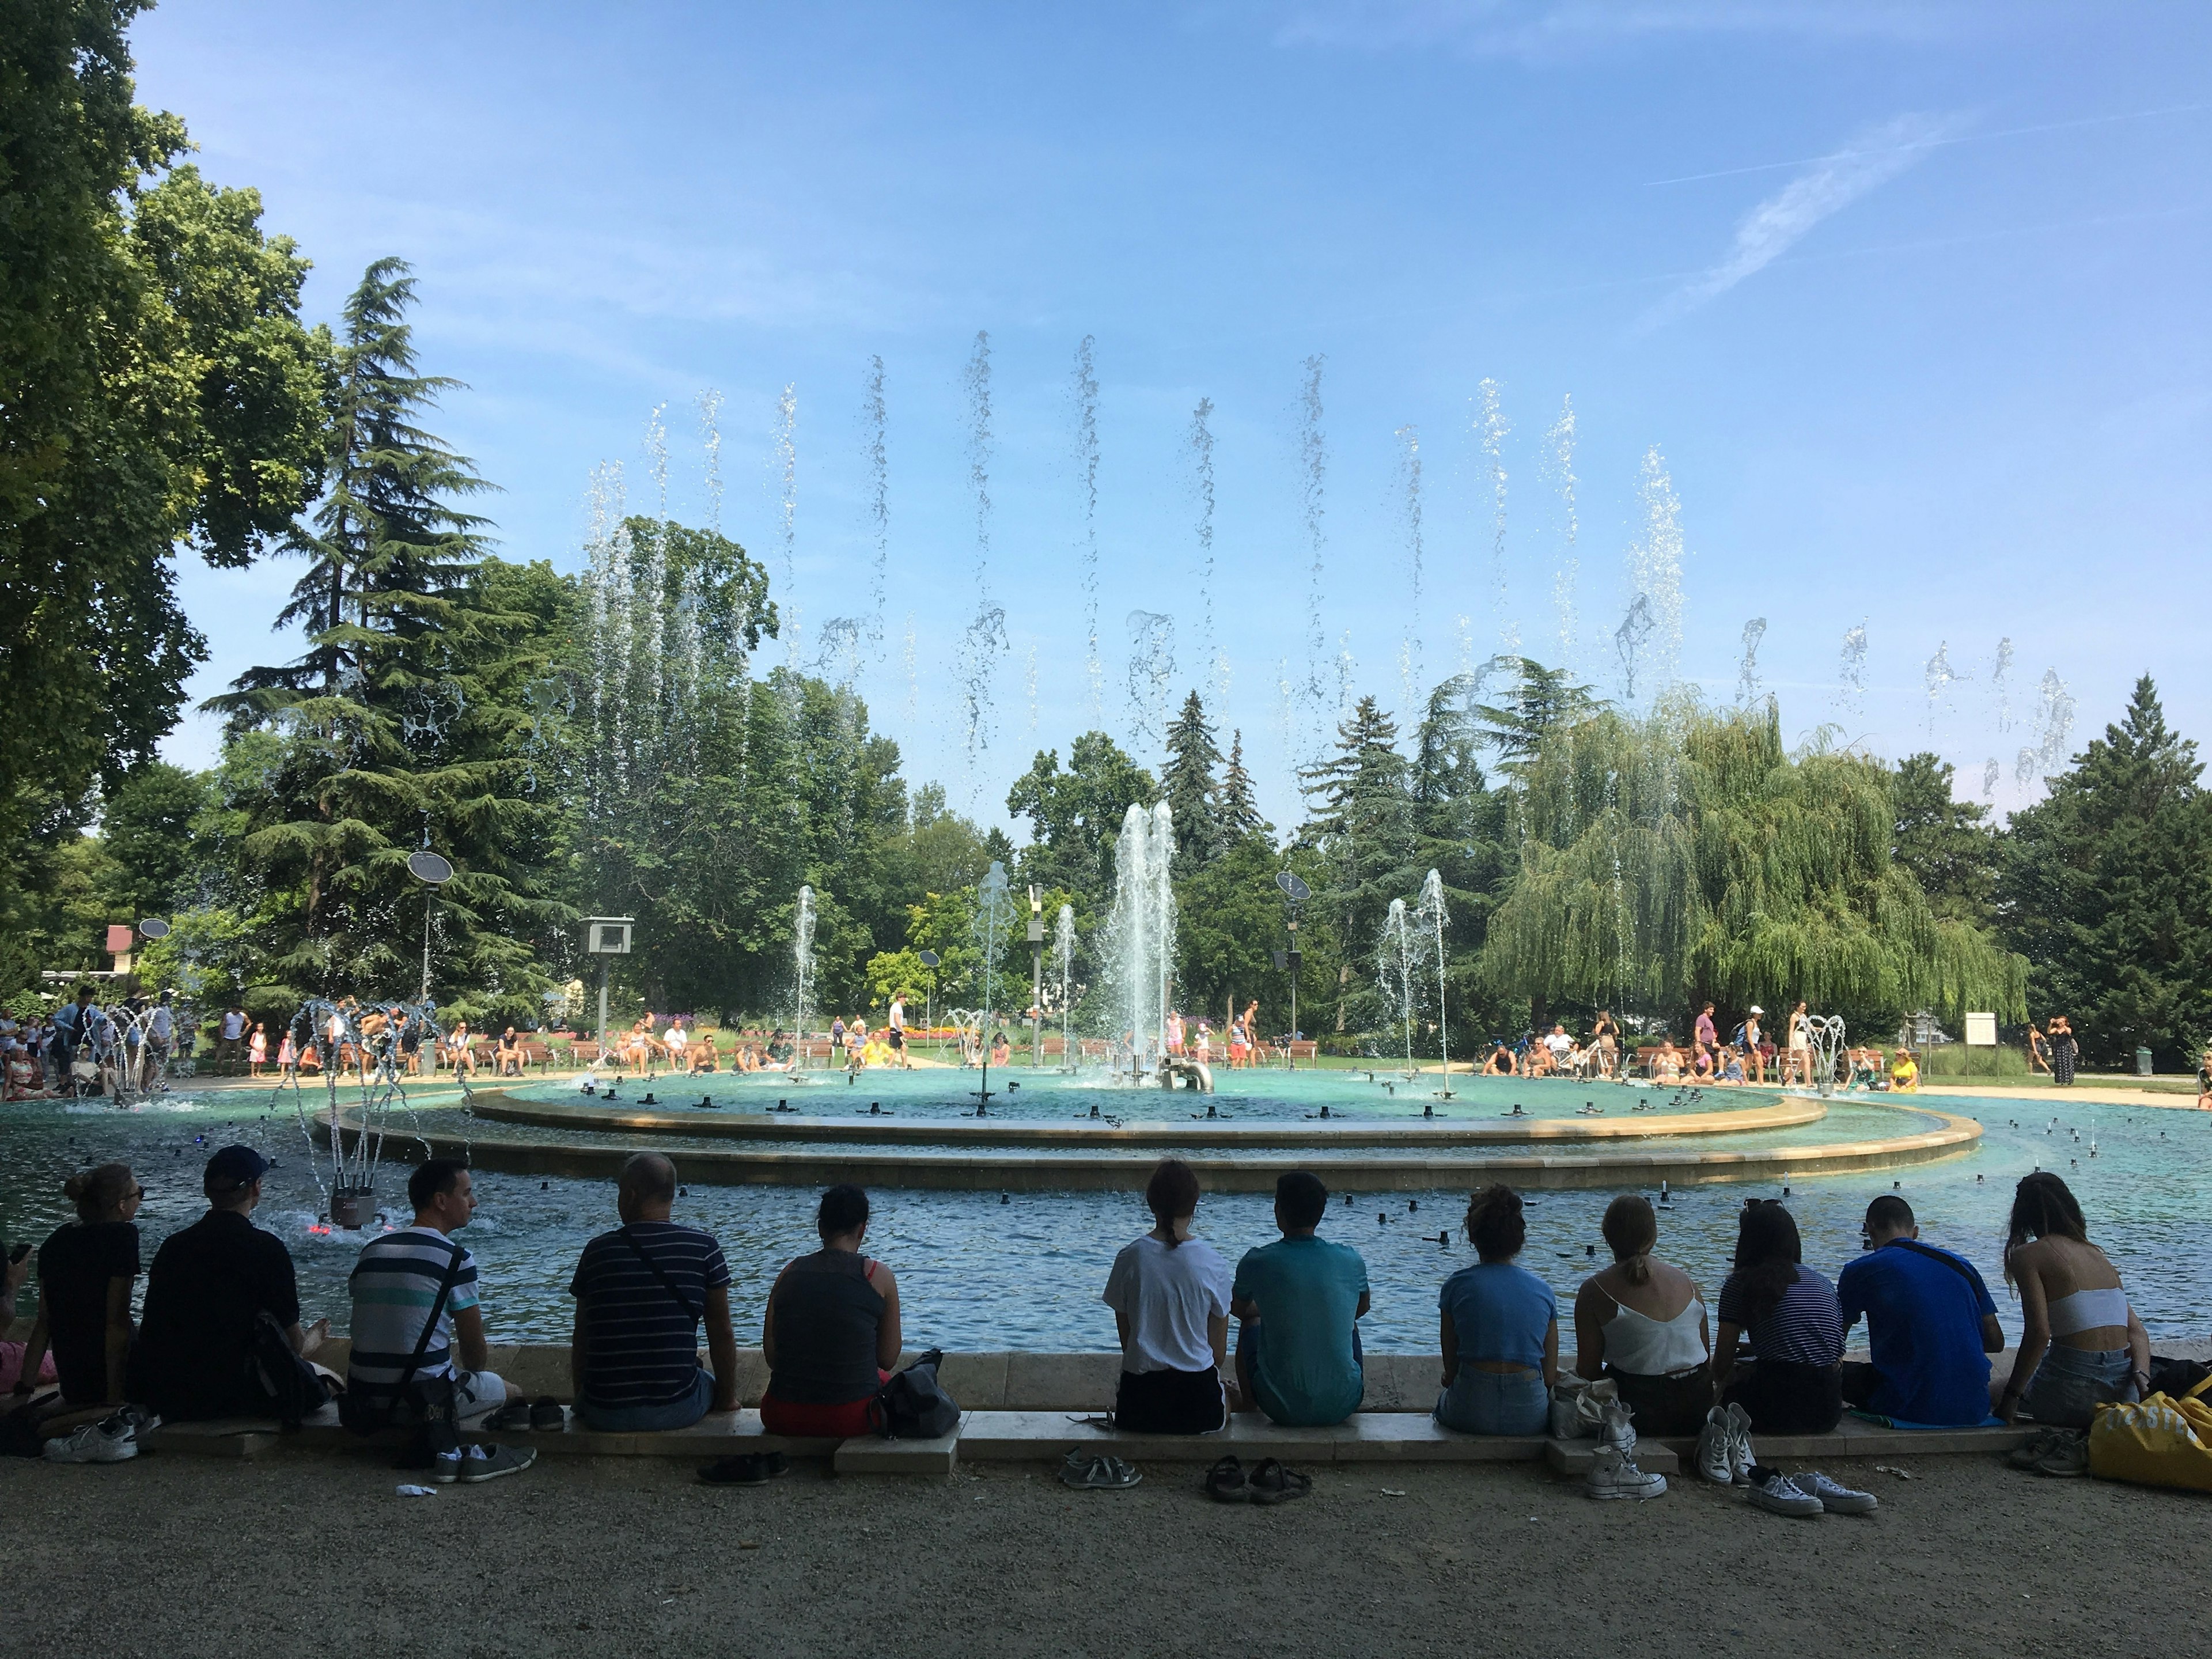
(752, 1469)
(1225, 1482)
(1273, 1483)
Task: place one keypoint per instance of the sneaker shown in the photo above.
(1775, 1491)
(1615, 1429)
(1838, 1498)
(1740, 1456)
(2066, 1456)
(2035, 1447)
(1716, 1453)
(489, 1463)
(111, 1440)
(1614, 1473)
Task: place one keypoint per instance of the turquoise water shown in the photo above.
(978, 1273)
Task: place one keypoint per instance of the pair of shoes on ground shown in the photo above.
(749, 1470)
(114, 1439)
(2052, 1451)
(1806, 1494)
(1613, 1469)
(542, 1415)
(1725, 1453)
(475, 1462)
(1095, 1472)
(1267, 1482)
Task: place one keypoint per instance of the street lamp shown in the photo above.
(929, 960)
(1036, 979)
(433, 871)
(604, 936)
(1295, 893)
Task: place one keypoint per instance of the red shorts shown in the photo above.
(808, 1421)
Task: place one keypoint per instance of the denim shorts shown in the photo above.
(645, 1420)
(2070, 1382)
(1495, 1402)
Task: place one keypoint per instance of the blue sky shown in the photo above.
(1911, 300)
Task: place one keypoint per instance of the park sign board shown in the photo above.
(1981, 1030)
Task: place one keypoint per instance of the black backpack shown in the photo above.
(291, 1386)
(913, 1405)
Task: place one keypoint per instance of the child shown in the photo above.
(288, 1058)
(257, 1051)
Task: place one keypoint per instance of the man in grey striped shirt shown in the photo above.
(395, 1287)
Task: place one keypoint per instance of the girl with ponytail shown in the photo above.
(1170, 1294)
(1642, 1322)
(86, 1268)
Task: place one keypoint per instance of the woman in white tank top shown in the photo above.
(2080, 1341)
(1642, 1322)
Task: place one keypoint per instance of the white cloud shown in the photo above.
(1826, 188)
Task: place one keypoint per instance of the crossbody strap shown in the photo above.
(429, 1327)
(1965, 1270)
(654, 1269)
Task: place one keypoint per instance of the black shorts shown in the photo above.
(897, 1038)
(1170, 1402)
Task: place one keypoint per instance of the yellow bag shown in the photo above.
(2162, 1442)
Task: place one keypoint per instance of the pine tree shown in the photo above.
(2102, 885)
(1540, 703)
(1188, 784)
(1235, 804)
(1943, 840)
(1363, 831)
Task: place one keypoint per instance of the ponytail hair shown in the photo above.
(98, 1191)
(1171, 1195)
(1631, 1228)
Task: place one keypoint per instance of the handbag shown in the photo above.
(1578, 1409)
(913, 1405)
(2158, 1441)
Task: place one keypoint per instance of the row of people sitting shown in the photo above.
(221, 1333)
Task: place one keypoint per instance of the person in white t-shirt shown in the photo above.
(1561, 1046)
(897, 1036)
(233, 1039)
(1169, 1293)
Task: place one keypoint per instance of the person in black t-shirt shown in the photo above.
(85, 1271)
(208, 1285)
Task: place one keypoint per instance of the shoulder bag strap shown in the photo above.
(1965, 1270)
(655, 1269)
(429, 1327)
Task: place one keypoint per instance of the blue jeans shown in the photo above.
(1495, 1402)
(642, 1419)
(2070, 1382)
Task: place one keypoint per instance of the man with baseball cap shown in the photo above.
(203, 1349)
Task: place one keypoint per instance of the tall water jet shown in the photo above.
(1559, 458)
(1140, 937)
(1992, 771)
(875, 421)
(2054, 727)
(1313, 477)
(1152, 675)
(1655, 568)
(1029, 688)
(1628, 642)
(1747, 675)
(785, 453)
(709, 404)
(1850, 672)
(1434, 918)
(1489, 428)
(993, 911)
(984, 639)
(1398, 960)
(2000, 686)
(913, 678)
(1409, 647)
(1086, 394)
(1201, 455)
(802, 979)
(1063, 960)
(656, 454)
(1938, 676)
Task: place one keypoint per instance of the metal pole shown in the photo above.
(603, 1007)
(428, 895)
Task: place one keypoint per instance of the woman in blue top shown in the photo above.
(1501, 1328)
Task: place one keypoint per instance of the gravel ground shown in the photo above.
(171, 1554)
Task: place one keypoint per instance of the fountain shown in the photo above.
(1063, 956)
(1433, 916)
(992, 911)
(1140, 946)
(1398, 963)
(803, 956)
(380, 1043)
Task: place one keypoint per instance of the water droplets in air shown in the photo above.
(1747, 676)
(1152, 676)
(2000, 687)
(709, 404)
(1992, 771)
(1085, 392)
(1313, 480)
(983, 642)
(875, 420)
(1202, 458)
(2054, 725)
(1489, 429)
(784, 465)
(1938, 676)
(1559, 469)
(1409, 643)
(1656, 570)
(1850, 672)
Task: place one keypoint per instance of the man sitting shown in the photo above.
(510, 1053)
(1298, 1358)
(202, 1352)
(641, 1293)
(415, 1307)
(1931, 1325)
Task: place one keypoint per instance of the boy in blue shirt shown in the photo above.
(1931, 1325)
(1300, 1300)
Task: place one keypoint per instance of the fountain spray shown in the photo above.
(1432, 916)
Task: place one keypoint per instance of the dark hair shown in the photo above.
(1631, 1228)
(1767, 1252)
(433, 1178)
(843, 1209)
(1888, 1213)
(98, 1190)
(2043, 1207)
(1494, 1222)
(1171, 1195)
(1300, 1198)
(650, 1177)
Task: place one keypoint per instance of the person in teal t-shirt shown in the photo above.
(1300, 1300)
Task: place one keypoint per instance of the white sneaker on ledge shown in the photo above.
(1616, 1430)
(1614, 1473)
(1740, 1456)
(1715, 1453)
(111, 1440)
(1837, 1498)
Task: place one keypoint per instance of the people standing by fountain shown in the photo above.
(1171, 1295)
(1605, 1038)
(86, 1269)
(1798, 1067)
(2065, 1050)
(2080, 1343)
(1500, 1329)
(897, 1020)
(1300, 1301)
(1791, 1383)
(831, 1332)
(643, 1292)
(2038, 1051)
(1749, 1037)
(1175, 1033)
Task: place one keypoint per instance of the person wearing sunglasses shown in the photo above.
(86, 1269)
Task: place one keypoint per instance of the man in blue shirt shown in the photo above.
(1300, 1300)
(1931, 1325)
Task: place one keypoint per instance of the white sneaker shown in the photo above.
(111, 1440)
(1615, 1429)
(1614, 1473)
(1837, 1498)
(1716, 1448)
(1773, 1491)
(1740, 1456)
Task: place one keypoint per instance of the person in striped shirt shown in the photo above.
(642, 1293)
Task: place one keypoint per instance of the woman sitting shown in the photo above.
(1170, 1294)
(831, 1333)
(1793, 1384)
(1002, 1051)
(1904, 1073)
(86, 1268)
(1501, 1328)
(1731, 1066)
(1668, 1067)
(2080, 1341)
(1642, 1322)
(1701, 1063)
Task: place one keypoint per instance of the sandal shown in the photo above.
(1273, 1483)
(1225, 1482)
(1090, 1472)
(751, 1469)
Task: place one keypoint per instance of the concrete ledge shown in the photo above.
(874, 1455)
(1576, 1456)
(1369, 1437)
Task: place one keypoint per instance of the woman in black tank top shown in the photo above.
(832, 1332)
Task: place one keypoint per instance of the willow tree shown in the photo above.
(1686, 857)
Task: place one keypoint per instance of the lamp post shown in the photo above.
(606, 937)
(433, 873)
(1036, 979)
(929, 960)
(1295, 893)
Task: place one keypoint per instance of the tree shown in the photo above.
(1540, 703)
(158, 390)
(1188, 784)
(1075, 816)
(2103, 885)
(1364, 832)
(1943, 841)
(148, 826)
(1236, 804)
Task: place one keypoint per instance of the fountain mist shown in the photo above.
(1085, 391)
(1141, 936)
(875, 421)
(1488, 425)
(1559, 454)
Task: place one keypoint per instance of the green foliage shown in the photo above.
(1943, 841)
(1363, 830)
(146, 827)
(1188, 784)
(1237, 813)
(1075, 816)
(1230, 926)
(2103, 884)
